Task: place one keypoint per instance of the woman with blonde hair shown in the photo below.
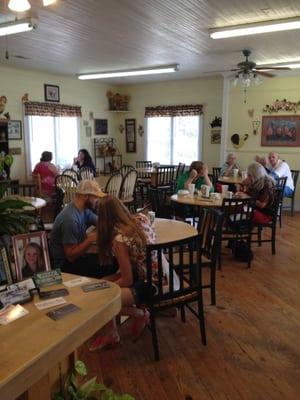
(32, 260)
(124, 236)
(260, 186)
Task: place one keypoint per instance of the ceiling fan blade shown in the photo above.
(21, 57)
(275, 68)
(266, 74)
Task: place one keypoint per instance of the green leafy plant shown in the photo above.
(13, 219)
(74, 387)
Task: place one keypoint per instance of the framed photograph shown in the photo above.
(101, 127)
(281, 130)
(5, 269)
(130, 135)
(30, 254)
(215, 137)
(51, 93)
(15, 130)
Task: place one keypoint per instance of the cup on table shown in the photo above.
(229, 195)
(235, 172)
(224, 190)
(214, 196)
(244, 175)
(151, 215)
(205, 189)
(191, 188)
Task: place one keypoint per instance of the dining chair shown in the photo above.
(216, 171)
(237, 224)
(143, 179)
(295, 175)
(258, 228)
(72, 173)
(125, 169)
(127, 190)
(280, 184)
(86, 173)
(113, 185)
(184, 285)
(67, 186)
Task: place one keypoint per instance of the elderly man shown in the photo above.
(230, 164)
(279, 169)
(70, 242)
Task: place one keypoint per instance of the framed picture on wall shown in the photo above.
(15, 130)
(281, 130)
(51, 93)
(101, 127)
(130, 135)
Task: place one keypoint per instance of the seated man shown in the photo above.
(230, 165)
(279, 169)
(70, 241)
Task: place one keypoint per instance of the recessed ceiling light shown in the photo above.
(255, 28)
(164, 69)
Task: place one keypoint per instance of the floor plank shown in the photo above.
(253, 350)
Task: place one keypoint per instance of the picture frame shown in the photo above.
(215, 136)
(101, 126)
(130, 135)
(51, 93)
(15, 130)
(5, 267)
(281, 130)
(30, 254)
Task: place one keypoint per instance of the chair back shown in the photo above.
(180, 170)
(183, 278)
(215, 175)
(128, 186)
(125, 169)
(113, 185)
(86, 173)
(210, 228)
(68, 185)
(238, 215)
(72, 173)
(295, 175)
(37, 181)
(142, 167)
(165, 176)
(23, 189)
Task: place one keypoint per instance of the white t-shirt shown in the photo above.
(282, 169)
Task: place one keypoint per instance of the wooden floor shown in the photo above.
(253, 350)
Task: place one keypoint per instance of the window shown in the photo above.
(56, 134)
(171, 140)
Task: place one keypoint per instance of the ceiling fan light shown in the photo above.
(255, 28)
(19, 5)
(48, 2)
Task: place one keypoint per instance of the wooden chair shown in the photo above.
(258, 228)
(161, 189)
(295, 175)
(68, 187)
(189, 289)
(72, 173)
(125, 169)
(143, 178)
(179, 171)
(215, 175)
(280, 184)
(127, 190)
(86, 173)
(113, 185)
(237, 223)
(37, 180)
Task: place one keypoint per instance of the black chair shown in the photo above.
(215, 175)
(280, 184)
(188, 290)
(161, 189)
(258, 228)
(295, 175)
(237, 224)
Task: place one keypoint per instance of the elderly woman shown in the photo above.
(197, 174)
(230, 164)
(260, 186)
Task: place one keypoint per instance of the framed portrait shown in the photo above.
(101, 127)
(5, 268)
(30, 254)
(51, 92)
(281, 130)
(215, 137)
(15, 130)
(130, 135)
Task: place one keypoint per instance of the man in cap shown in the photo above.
(70, 241)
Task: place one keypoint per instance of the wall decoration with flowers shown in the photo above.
(117, 101)
(282, 105)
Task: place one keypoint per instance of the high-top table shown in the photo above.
(34, 344)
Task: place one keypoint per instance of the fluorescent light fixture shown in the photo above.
(21, 25)
(19, 5)
(255, 28)
(166, 69)
(48, 2)
(292, 66)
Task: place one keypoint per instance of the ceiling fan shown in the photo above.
(249, 66)
(8, 56)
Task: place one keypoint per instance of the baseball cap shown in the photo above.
(88, 186)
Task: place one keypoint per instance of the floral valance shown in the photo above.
(51, 110)
(174, 111)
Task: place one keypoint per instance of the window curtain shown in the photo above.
(174, 111)
(51, 110)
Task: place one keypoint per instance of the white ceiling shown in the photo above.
(80, 36)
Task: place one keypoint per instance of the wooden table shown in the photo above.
(33, 345)
(168, 230)
(196, 201)
(230, 179)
